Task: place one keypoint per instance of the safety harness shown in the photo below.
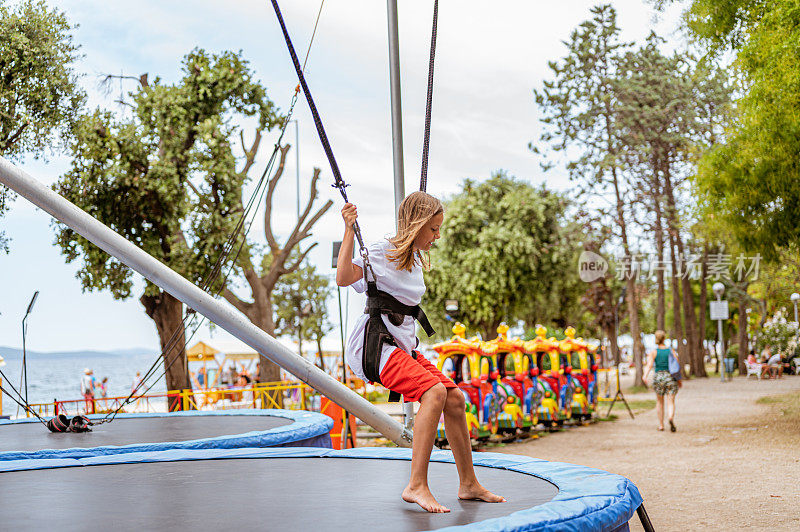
(376, 334)
(62, 423)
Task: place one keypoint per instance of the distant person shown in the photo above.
(87, 389)
(766, 356)
(664, 384)
(137, 381)
(201, 377)
(135, 385)
(775, 366)
(103, 388)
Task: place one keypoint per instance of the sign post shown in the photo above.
(719, 311)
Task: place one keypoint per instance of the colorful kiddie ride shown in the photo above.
(569, 354)
(512, 383)
(584, 374)
(555, 384)
(463, 361)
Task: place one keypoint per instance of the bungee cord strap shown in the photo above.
(338, 182)
(423, 180)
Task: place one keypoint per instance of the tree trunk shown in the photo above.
(167, 313)
(612, 345)
(633, 304)
(690, 319)
(743, 347)
(677, 322)
(260, 314)
(661, 296)
(319, 353)
(701, 326)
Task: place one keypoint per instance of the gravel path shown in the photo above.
(733, 464)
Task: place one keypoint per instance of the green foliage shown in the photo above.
(164, 177)
(39, 93)
(301, 303)
(558, 334)
(506, 254)
(752, 180)
(578, 103)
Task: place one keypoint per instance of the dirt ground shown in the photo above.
(733, 464)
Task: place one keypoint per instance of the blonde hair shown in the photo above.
(660, 337)
(415, 211)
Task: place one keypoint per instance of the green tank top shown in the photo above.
(662, 359)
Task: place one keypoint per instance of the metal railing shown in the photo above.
(289, 395)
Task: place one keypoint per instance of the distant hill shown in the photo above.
(11, 353)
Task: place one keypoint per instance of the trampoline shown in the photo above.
(304, 489)
(129, 433)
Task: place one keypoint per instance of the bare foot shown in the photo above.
(476, 492)
(425, 499)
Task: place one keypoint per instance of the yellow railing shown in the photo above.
(289, 395)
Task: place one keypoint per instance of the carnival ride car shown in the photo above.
(557, 387)
(579, 403)
(470, 369)
(584, 371)
(513, 386)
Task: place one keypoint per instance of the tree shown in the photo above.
(166, 179)
(301, 306)
(751, 178)
(668, 108)
(262, 272)
(39, 93)
(579, 108)
(505, 255)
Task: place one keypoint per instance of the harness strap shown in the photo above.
(378, 300)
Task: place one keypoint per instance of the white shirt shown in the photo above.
(87, 384)
(406, 287)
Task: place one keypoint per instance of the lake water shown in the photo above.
(58, 376)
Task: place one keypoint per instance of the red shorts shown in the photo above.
(412, 378)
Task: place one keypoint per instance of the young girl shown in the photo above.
(397, 264)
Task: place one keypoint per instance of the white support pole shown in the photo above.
(223, 315)
(396, 105)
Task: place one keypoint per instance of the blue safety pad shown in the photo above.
(309, 429)
(587, 499)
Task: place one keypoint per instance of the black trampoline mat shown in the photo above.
(126, 431)
(303, 494)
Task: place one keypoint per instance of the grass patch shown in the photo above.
(639, 404)
(636, 389)
(788, 403)
(770, 399)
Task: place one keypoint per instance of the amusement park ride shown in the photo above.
(511, 386)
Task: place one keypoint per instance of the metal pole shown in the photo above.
(397, 138)
(297, 162)
(397, 108)
(721, 354)
(795, 311)
(226, 317)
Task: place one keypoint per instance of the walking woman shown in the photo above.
(664, 384)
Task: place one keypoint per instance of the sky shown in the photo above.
(489, 58)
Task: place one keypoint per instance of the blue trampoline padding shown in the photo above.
(309, 429)
(587, 499)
